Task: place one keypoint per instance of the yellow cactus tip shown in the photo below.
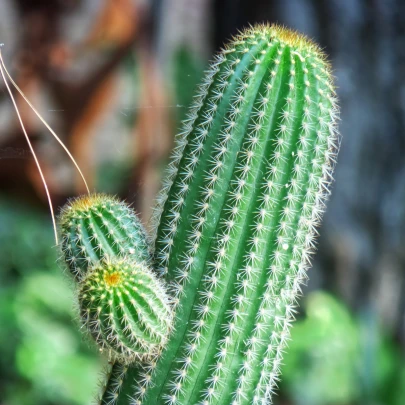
(87, 201)
(288, 36)
(294, 38)
(112, 279)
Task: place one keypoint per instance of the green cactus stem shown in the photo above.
(236, 222)
(97, 226)
(125, 309)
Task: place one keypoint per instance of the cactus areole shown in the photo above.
(235, 224)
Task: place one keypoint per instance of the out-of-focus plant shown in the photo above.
(330, 361)
(324, 353)
(41, 356)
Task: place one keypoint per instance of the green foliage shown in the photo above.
(188, 71)
(324, 353)
(48, 354)
(335, 358)
(114, 175)
(41, 356)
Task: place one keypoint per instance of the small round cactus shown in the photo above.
(125, 309)
(98, 226)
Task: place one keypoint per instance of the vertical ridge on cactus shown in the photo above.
(97, 226)
(236, 221)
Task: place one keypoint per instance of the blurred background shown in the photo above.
(114, 79)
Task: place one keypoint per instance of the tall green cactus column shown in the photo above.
(236, 222)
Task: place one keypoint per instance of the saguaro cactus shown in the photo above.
(235, 223)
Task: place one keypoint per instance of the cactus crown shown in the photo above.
(233, 230)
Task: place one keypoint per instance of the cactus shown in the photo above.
(125, 309)
(232, 234)
(122, 304)
(97, 226)
(236, 220)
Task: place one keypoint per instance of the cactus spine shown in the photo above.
(236, 221)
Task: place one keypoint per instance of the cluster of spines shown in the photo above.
(252, 175)
(97, 227)
(126, 310)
